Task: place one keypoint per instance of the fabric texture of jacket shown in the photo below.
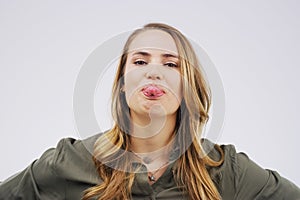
(66, 171)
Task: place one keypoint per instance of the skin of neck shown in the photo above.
(151, 133)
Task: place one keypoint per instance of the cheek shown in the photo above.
(175, 83)
(132, 79)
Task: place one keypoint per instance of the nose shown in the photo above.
(154, 73)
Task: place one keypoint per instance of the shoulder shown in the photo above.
(240, 177)
(60, 172)
(72, 159)
(68, 168)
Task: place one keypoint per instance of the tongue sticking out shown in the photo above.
(152, 91)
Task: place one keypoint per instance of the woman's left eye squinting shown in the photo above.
(171, 64)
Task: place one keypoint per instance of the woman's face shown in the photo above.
(152, 80)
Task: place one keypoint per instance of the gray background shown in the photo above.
(254, 45)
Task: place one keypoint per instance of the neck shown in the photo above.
(151, 135)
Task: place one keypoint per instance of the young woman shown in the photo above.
(154, 151)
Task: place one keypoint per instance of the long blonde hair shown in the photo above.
(190, 170)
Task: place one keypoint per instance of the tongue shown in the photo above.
(152, 91)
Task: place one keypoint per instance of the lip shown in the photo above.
(152, 91)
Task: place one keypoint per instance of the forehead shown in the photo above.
(154, 39)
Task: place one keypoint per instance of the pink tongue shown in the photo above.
(152, 91)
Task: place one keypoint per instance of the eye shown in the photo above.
(171, 64)
(140, 62)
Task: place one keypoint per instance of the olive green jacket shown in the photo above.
(66, 171)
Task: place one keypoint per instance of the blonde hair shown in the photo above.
(190, 170)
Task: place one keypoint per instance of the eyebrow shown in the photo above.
(143, 53)
(166, 55)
